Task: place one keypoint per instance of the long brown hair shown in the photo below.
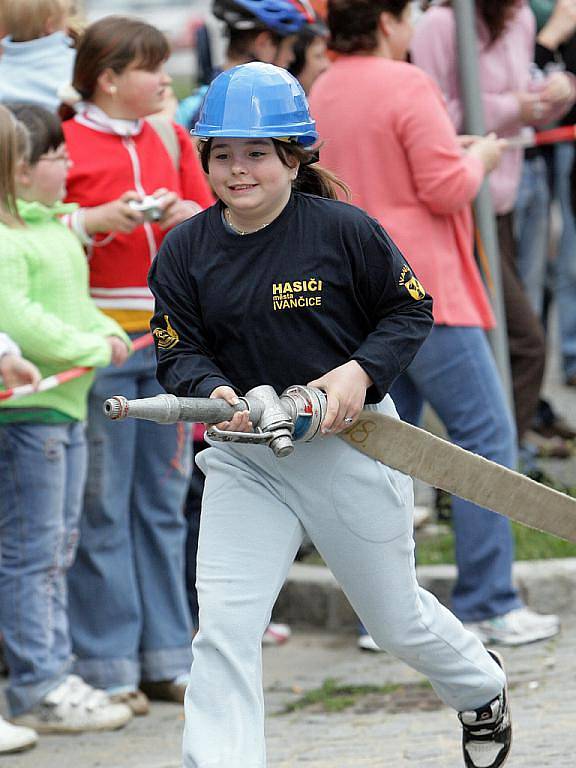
(312, 178)
(114, 43)
(13, 148)
(496, 14)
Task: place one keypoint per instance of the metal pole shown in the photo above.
(465, 15)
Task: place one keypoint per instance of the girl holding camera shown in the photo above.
(130, 620)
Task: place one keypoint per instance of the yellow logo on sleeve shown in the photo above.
(412, 285)
(166, 338)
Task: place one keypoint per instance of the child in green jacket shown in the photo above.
(46, 309)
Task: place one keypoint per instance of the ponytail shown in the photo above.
(13, 148)
(312, 178)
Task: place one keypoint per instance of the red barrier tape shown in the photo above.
(60, 378)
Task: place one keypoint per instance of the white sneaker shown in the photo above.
(516, 627)
(14, 738)
(73, 707)
(367, 643)
(276, 634)
(487, 731)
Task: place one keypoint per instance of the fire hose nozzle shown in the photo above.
(116, 407)
(278, 420)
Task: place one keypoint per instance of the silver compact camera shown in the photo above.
(149, 207)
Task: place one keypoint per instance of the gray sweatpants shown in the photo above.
(358, 513)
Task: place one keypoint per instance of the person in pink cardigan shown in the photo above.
(506, 34)
(389, 137)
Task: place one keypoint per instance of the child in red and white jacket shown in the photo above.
(136, 629)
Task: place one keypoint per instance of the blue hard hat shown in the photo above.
(285, 17)
(256, 100)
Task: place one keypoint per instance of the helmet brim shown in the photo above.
(303, 139)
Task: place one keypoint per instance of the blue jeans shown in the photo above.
(129, 616)
(565, 281)
(42, 474)
(531, 230)
(455, 372)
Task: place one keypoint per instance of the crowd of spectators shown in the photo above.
(99, 523)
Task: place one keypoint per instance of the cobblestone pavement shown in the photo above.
(543, 694)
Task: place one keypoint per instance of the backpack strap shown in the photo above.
(167, 135)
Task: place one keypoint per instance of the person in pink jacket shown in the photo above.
(396, 148)
(506, 33)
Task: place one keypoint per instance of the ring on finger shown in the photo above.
(347, 420)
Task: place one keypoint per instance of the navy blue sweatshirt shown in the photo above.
(321, 285)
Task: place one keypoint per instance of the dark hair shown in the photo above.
(241, 41)
(44, 129)
(305, 38)
(312, 178)
(494, 13)
(114, 43)
(353, 24)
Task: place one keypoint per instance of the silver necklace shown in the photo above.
(240, 231)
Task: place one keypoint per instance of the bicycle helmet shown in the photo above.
(285, 17)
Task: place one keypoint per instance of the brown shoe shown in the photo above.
(136, 700)
(164, 690)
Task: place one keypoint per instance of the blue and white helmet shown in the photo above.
(285, 17)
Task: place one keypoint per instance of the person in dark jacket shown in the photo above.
(280, 283)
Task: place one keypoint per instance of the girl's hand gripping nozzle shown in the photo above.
(278, 421)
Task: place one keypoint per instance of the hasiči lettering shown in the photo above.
(296, 294)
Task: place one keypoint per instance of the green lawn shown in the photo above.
(182, 87)
(530, 545)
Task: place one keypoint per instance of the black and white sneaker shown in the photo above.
(487, 732)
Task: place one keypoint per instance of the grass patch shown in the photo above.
(331, 697)
(183, 86)
(530, 545)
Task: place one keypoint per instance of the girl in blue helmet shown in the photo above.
(281, 283)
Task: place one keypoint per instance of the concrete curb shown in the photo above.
(312, 597)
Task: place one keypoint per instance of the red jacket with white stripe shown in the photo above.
(104, 166)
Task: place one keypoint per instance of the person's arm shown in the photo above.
(185, 364)
(400, 311)
(103, 325)
(7, 346)
(14, 369)
(42, 336)
(542, 10)
(108, 218)
(559, 27)
(196, 193)
(433, 49)
(445, 180)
